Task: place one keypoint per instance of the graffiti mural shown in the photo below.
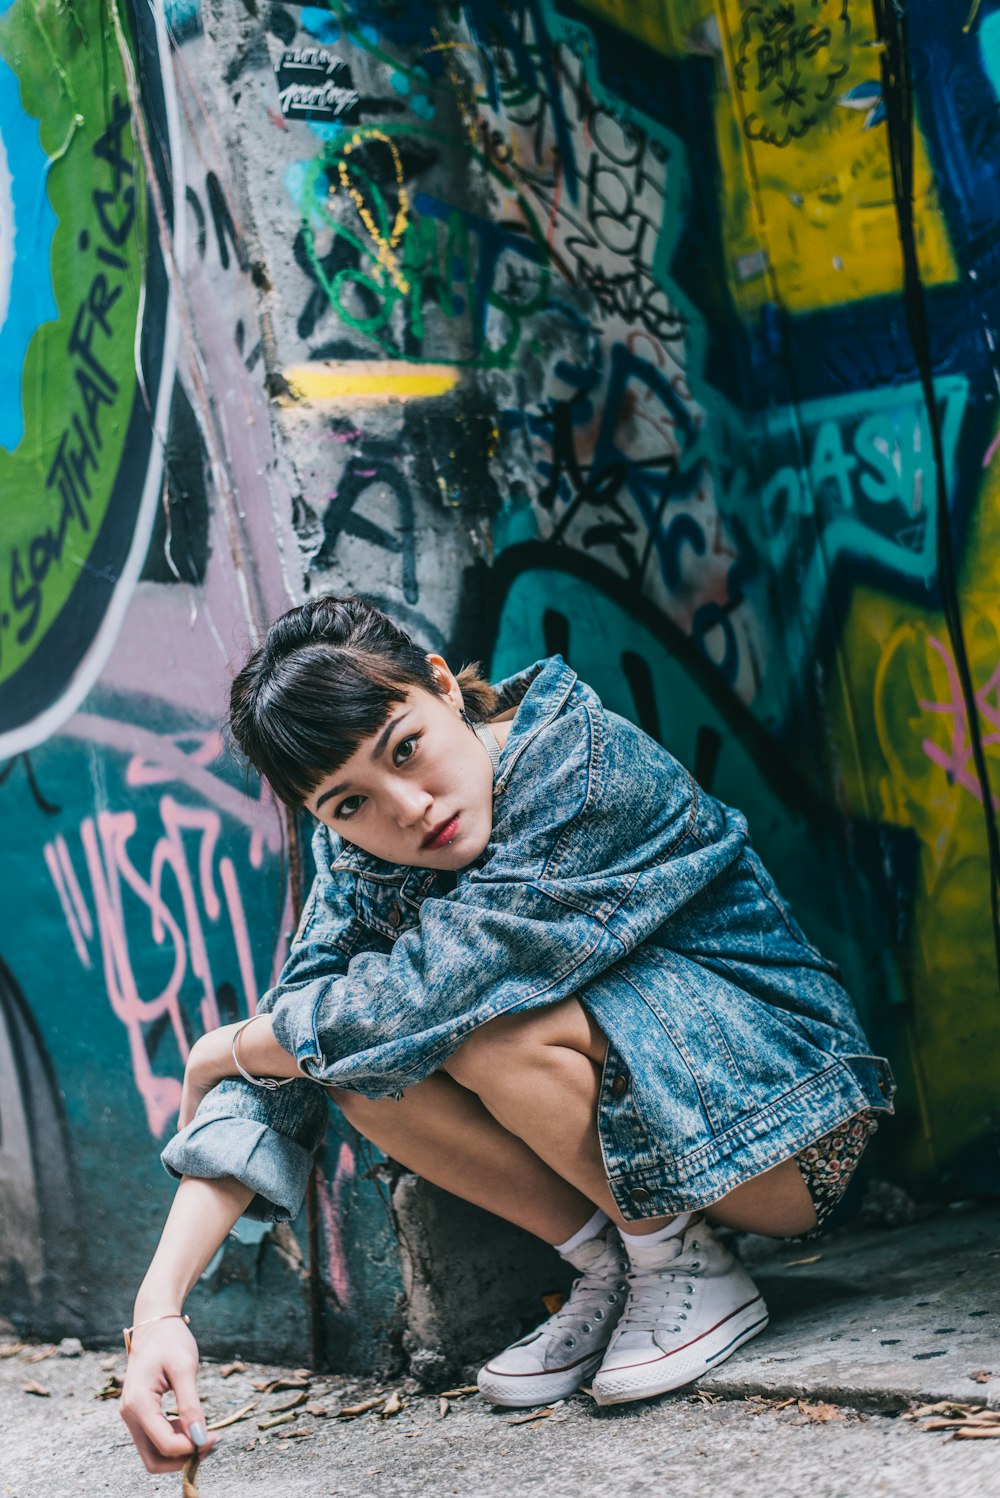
(549, 325)
(88, 346)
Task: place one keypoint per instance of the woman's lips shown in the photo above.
(441, 834)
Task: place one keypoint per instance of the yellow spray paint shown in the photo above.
(806, 168)
(372, 381)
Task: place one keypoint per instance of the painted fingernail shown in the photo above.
(198, 1433)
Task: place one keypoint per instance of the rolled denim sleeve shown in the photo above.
(262, 1137)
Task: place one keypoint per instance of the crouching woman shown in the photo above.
(542, 968)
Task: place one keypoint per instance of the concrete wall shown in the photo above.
(551, 326)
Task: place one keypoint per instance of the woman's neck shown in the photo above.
(501, 725)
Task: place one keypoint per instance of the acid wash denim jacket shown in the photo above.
(609, 875)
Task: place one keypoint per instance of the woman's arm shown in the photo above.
(267, 1139)
(164, 1352)
(211, 1061)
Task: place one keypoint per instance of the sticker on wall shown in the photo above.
(87, 343)
(313, 84)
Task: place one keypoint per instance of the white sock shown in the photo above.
(590, 1229)
(635, 1242)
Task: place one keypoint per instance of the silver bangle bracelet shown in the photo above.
(270, 1083)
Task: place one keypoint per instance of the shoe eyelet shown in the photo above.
(612, 1300)
(585, 1326)
(570, 1342)
(695, 1244)
(687, 1305)
(598, 1315)
(690, 1289)
(696, 1264)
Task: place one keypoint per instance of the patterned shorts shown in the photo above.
(828, 1163)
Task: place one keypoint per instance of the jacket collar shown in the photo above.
(538, 693)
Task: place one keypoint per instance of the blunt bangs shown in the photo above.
(299, 718)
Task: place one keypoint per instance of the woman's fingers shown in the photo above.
(163, 1444)
(164, 1357)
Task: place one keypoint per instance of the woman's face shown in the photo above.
(418, 792)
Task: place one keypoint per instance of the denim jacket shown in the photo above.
(609, 875)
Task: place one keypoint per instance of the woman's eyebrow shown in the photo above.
(387, 733)
(377, 753)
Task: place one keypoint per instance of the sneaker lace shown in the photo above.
(653, 1292)
(591, 1299)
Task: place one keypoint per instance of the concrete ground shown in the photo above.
(865, 1328)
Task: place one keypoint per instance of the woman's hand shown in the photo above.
(209, 1062)
(164, 1357)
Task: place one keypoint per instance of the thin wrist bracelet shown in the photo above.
(270, 1083)
(167, 1316)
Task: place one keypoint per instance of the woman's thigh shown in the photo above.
(566, 1024)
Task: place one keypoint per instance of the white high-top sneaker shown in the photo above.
(562, 1353)
(690, 1305)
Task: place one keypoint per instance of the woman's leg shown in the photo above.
(443, 1133)
(539, 1075)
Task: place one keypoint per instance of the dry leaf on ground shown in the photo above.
(978, 1419)
(32, 1386)
(392, 1405)
(296, 1435)
(319, 1410)
(275, 1420)
(39, 1355)
(702, 1396)
(243, 1414)
(818, 1413)
(443, 1407)
(11, 1349)
(112, 1389)
(981, 1376)
(975, 1433)
(228, 1369)
(350, 1410)
(794, 1263)
(189, 1478)
(291, 1404)
(535, 1415)
(296, 1380)
(941, 1407)
(458, 1393)
(553, 1303)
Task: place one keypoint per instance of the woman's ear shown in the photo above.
(447, 682)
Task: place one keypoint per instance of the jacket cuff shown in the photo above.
(223, 1141)
(293, 1025)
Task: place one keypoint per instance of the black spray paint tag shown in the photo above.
(314, 84)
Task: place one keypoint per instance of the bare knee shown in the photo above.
(504, 1048)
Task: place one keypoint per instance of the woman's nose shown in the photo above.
(411, 804)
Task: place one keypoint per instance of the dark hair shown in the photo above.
(327, 677)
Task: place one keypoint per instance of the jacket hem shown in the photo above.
(769, 1136)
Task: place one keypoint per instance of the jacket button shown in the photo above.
(640, 1194)
(620, 1085)
(394, 917)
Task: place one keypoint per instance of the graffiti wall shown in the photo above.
(146, 537)
(662, 336)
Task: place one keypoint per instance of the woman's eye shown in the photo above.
(349, 806)
(405, 749)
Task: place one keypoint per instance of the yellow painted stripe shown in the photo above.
(370, 380)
